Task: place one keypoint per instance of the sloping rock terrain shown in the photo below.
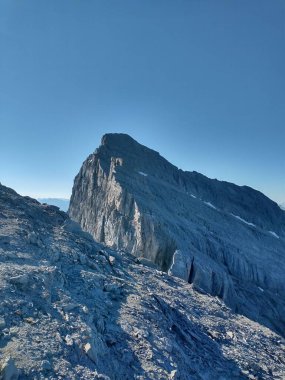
(73, 309)
(225, 239)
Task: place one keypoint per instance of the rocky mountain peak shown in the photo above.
(123, 150)
(119, 140)
(227, 240)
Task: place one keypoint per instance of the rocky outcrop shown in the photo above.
(225, 239)
(73, 309)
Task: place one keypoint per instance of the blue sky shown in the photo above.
(202, 82)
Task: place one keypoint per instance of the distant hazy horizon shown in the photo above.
(202, 82)
(62, 203)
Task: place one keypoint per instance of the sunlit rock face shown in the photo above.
(225, 239)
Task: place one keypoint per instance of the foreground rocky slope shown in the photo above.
(226, 239)
(72, 309)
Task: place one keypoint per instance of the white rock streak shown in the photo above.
(243, 220)
(210, 205)
(274, 234)
(143, 174)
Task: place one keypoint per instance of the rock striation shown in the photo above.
(71, 308)
(225, 239)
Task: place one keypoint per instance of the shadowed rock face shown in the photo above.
(225, 239)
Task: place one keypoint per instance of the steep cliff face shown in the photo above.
(225, 239)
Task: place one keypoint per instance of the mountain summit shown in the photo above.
(227, 240)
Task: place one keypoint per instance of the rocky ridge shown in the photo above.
(225, 239)
(73, 309)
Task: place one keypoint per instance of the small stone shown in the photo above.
(173, 374)
(149, 355)
(213, 334)
(68, 340)
(230, 334)
(90, 352)
(112, 260)
(87, 347)
(13, 330)
(6, 331)
(85, 309)
(30, 320)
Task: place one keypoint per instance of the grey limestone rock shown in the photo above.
(181, 265)
(86, 319)
(227, 240)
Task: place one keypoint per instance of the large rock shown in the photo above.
(225, 239)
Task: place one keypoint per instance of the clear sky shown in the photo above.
(201, 81)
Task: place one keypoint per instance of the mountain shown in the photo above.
(282, 206)
(226, 240)
(74, 309)
(62, 203)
